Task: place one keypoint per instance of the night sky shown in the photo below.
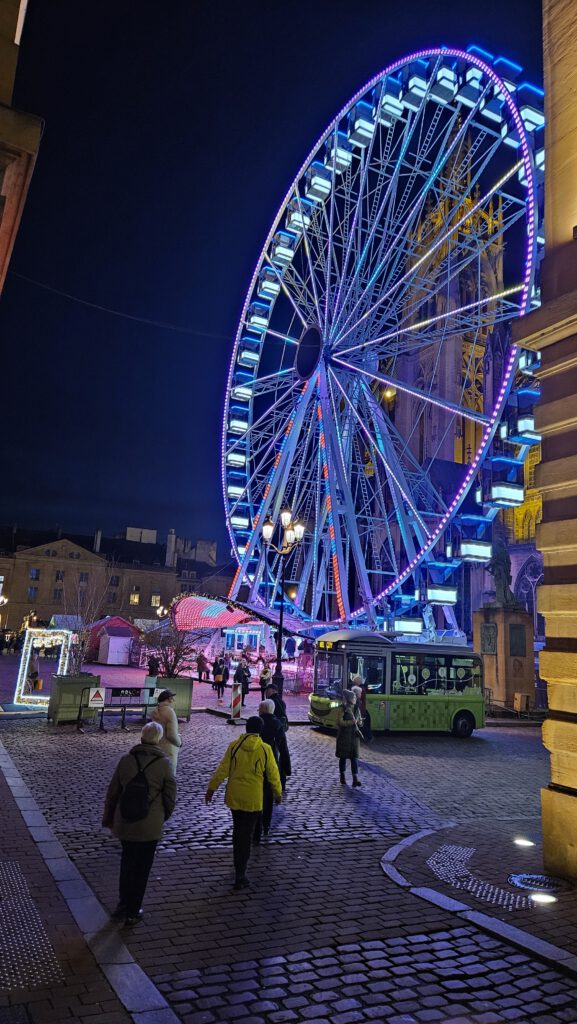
(172, 133)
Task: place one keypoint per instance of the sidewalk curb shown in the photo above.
(555, 956)
(137, 993)
(223, 713)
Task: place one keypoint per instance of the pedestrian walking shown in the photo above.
(202, 667)
(348, 736)
(165, 715)
(221, 679)
(143, 783)
(153, 665)
(246, 763)
(265, 679)
(360, 691)
(273, 734)
(242, 678)
(271, 693)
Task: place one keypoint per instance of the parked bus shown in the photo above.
(407, 686)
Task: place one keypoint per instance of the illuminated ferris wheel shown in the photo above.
(373, 388)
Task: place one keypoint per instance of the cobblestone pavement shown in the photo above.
(46, 971)
(322, 934)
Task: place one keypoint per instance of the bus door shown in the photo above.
(368, 672)
(418, 691)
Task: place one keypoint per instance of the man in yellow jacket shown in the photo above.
(246, 763)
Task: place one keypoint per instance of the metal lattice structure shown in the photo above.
(372, 363)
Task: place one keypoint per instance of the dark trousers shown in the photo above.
(243, 826)
(135, 866)
(354, 765)
(220, 690)
(264, 819)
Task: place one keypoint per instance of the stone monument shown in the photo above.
(503, 634)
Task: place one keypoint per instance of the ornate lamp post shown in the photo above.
(293, 533)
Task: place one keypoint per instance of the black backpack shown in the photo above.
(134, 800)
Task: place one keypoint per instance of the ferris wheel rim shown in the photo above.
(528, 275)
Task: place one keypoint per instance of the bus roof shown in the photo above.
(341, 635)
(366, 636)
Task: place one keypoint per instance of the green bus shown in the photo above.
(407, 686)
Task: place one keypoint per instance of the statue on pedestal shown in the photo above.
(500, 569)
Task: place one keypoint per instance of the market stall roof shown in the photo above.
(193, 613)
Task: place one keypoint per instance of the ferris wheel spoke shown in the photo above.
(277, 475)
(395, 481)
(394, 335)
(437, 244)
(286, 291)
(418, 202)
(419, 483)
(266, 419)
(452, 408)
(348, 509)
(396, 253)
(306, 245)
(449, 269)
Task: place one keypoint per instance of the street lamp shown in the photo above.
(293, 533)
(162, 612)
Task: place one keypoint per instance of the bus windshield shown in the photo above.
(329, 675)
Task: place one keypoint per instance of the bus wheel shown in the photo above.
(463, 724)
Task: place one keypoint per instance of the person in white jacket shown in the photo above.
(165, 715)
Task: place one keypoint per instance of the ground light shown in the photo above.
(542, 897)
(524, 842)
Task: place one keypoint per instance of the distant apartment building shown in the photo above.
(49, 573)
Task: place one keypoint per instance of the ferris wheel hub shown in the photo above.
(308, 354)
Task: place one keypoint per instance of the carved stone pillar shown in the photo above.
(552, 330)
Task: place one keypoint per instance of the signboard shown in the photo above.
(130, 691)
(488, 638)
(96, 697)
(157, 693)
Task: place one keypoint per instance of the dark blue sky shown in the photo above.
(172, 133)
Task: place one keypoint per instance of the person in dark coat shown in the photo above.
(242, 678)
(272, 693)
(139, 838)
(273, 734)
(153, 665)
(349, 722)
(221, 679)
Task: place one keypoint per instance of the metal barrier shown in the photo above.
(118, 700)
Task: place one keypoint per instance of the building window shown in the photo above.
(57, 594)
(35, 574)
(74, 554)
(115, 581)
(184, 588)
(60, 575)
(155, 601)
(32, 593)
(135, 595)
(83, 577)
(111, 597)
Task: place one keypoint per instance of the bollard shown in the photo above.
(235, 704)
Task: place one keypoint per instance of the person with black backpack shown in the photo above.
(140, 798)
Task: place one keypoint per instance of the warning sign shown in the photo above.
(96, 697)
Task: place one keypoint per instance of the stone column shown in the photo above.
(552, 330)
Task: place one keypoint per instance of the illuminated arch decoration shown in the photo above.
(373, 387)
(40, 639)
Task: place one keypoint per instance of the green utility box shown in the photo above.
(66, 695)
(181, 686)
